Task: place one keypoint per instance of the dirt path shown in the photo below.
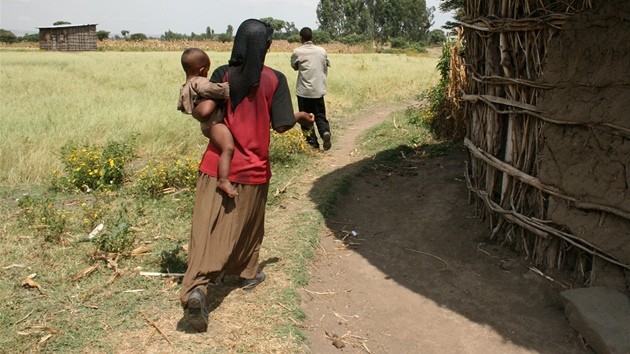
(417, 277)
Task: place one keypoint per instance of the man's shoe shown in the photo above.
(326, 139)
(313, 142)
(196, 311)
(249, 284)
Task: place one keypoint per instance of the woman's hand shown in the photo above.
(300, 117)
(304, 118)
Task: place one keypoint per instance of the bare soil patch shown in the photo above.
(405, 267)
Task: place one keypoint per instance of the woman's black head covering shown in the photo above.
(251, 42)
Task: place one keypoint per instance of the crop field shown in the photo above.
(69, 123)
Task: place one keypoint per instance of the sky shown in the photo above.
(154, 17)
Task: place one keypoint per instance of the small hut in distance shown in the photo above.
(68, 38)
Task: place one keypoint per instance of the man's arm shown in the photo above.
(295, 63)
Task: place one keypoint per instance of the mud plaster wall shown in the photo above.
(589, 62)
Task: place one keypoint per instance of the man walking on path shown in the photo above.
(312, 63)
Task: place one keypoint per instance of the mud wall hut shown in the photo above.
(67, 38)
(546, 105)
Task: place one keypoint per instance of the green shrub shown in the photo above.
(279, 36)
(31, 38)
(138, 37)
(166, 171)
(434, 96)
(294, 38)
(224, 38)
(102, 35)
(7, 36)
(287, 144)
(399, 42)
(54, 219)
(321, 37)
(45, 217)
(117, 239)
(173, 261)
(91, 167)
(92, 213)
(393, 51)
(354, 39)
(437, 37)
(418, 47)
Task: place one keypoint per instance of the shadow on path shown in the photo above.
(409, 269)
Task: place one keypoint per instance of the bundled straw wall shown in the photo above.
(547, 110)
(68, 38)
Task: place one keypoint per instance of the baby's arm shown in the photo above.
(203, 111)
(213, 90)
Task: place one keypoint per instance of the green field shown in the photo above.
(49, 99)
(95, 302)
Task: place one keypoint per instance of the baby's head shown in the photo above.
(195, 62)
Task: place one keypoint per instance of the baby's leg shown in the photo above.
(214, 116)
(222, 139)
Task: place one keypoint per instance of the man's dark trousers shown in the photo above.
(318, 108)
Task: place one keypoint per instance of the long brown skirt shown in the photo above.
(226, 233)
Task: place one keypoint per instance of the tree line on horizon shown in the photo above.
(402, 23)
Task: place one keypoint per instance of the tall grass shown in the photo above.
(49, 99)
(52, 98)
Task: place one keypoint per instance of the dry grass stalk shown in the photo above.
(284, 189)
(153, 332)
(44, 329)
(320, 293)
(24, 318)
(44, 338)
(537, 271)
(114, 276)
(319, 243)
(430, 255)
(14, 265)
(164, 275)
(28, 282)
(283, 306)
(86, 294)
(156, 328)
(484, 251)
(83, 273)
(140, 250)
